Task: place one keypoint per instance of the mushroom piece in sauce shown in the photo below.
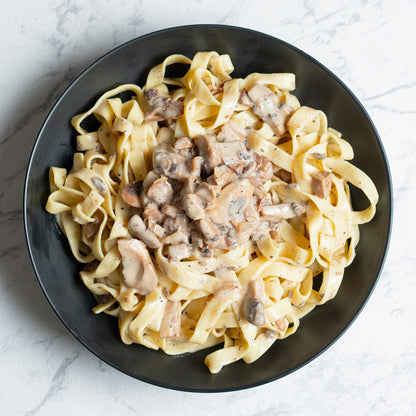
(321, 184)
(171, 321)
(268, 106)
(160, 107)
(252, 305)
(138, 269)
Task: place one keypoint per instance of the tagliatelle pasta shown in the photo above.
(209, 210)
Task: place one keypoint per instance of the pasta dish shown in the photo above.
(209, 210)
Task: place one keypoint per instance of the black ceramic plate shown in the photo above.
(57, 271)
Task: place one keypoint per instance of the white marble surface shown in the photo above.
(371, 370)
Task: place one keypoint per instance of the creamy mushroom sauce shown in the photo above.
(205, 195)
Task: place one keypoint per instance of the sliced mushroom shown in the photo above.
(207, 147)
(251, 214)
(91, 228)
(194, 166)
(138, 229)
(157, 230)
(170, 325)
(252, 306)
(259, 191)
(284, 175)
(138, 269)
(131, 194)
(232, 201)
(168, 163)
(104, 298)
(180, 222)
(152, 214)
(245, 169)
(177, 252)
(184, 143)
(149, 179)
(223, 175)
(193, 207)
(209, 230)
(321, 184)
(265, 168)
(268, 106)
(160, 107)
(207, 193)
(282, 211)
(176, 238)
(196, 238)
(161, 191)
(244, 98)
(234, 153)
(99, 184)
(232, 131)
(170, 210)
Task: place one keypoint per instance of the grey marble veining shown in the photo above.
(371, 370)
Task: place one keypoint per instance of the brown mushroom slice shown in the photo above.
(265, 168)
(209, 230)
(168, 163)
(207, 148)
(194, 166)
(234, 153)
(252, 306)
(170, 210)
(259, 191)
(193, 207)
(170, 325)
(99, 184)
(207, 193)
(321, 184)
(176, 237)
(177, 252)
(282, 211)
(184, 143)
(196, 237)
(180, 222)
(245, 169)
(231, 202)
(160, 107)
(152, 214)
(91, 228)
(138, 269)
(157, 230)
(131, 194)
(103, 299)
(244, 98)
(160, 191)
(232, 131)
(138, 229)
(223, 175)
(149, 179)
(268, 106)
(284, 175)
(251, 213)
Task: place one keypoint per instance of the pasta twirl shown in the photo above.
(206, 209)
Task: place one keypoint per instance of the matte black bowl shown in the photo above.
(57, 271)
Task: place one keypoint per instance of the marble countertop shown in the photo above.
(371, 370)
